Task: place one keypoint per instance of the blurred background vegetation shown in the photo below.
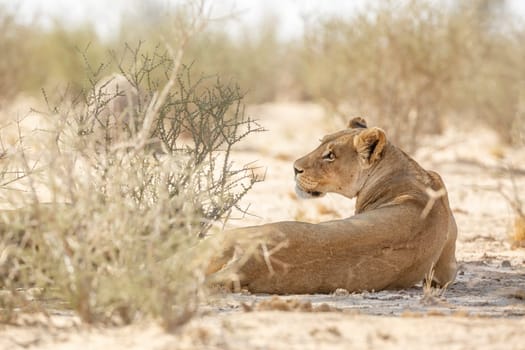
(408, 66)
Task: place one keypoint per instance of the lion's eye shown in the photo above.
(329, 156)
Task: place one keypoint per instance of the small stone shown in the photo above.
(506, 263)
(341, 292)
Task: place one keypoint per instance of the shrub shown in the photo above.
(119, 236)
(493, 90)
(515, 201)
(407, 65)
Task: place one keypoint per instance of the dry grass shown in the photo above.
(518, 235)
(407, 67)
(432, 295)
(515, 201)
(118, 235)
(107, 225)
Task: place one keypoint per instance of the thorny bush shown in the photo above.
(113, 213)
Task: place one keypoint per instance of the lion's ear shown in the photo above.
(357, 122)
(369, 145)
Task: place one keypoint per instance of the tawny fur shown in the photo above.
(394, 239)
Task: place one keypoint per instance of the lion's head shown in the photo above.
(341, 163)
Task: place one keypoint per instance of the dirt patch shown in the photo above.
(482, 289)
(276, 303)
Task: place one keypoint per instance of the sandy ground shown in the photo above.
(484, 309)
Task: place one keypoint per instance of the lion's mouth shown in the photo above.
(307, 194)
(315, 194)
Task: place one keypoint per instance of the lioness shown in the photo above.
(400, 231)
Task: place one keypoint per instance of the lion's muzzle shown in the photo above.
(306, 188)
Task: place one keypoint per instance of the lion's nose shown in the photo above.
(297, 170)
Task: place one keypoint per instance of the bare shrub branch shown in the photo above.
(131, 191)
